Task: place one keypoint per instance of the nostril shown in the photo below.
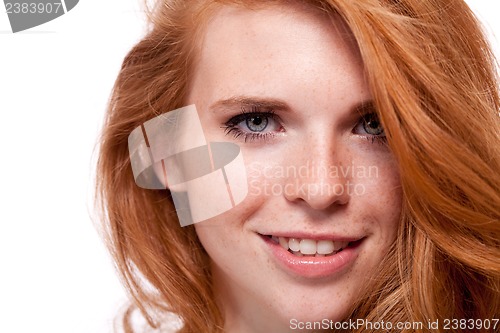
(318, 196)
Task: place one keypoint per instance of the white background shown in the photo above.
(55, 80)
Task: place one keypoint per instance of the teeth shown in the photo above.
(294, 244)
(283, 243)
(325, 247)
(275, 239)
(310, 247)
(341, 245)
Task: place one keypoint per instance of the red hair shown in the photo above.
(434, 81)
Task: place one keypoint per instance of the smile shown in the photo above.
(310, 247)
(304, 256)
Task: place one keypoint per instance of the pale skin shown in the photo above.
(309, 73)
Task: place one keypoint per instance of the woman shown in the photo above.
(346, 220)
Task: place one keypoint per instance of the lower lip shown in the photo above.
(314, 267)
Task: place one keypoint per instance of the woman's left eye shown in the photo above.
(369, 125)
(252, 125)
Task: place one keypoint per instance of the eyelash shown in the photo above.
(231, 126)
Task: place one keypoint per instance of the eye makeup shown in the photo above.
(369, 125)
(253, 125)
(257, 124)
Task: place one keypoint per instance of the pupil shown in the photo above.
(257, 121)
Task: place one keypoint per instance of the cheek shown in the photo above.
(381, 199)
(262, 184)
(215, 239)
(227, 247)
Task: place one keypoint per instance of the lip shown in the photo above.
(314, 267)
(316, 237)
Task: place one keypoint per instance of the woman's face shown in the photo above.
(288, 87)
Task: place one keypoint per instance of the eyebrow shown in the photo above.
(365, 107)
(267, 104)
(249, 102)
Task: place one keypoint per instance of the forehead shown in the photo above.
(264, 34)
(257, 50)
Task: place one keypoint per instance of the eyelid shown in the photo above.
(246, 114)
(366, 108)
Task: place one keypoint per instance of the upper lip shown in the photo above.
(314, 236)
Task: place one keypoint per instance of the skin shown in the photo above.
(313, 69)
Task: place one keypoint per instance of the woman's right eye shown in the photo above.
(256, 123)
(253, 125)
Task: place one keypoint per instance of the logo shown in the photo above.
(26, 14)
(171, 152)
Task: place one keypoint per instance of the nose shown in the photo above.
(319, 174)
